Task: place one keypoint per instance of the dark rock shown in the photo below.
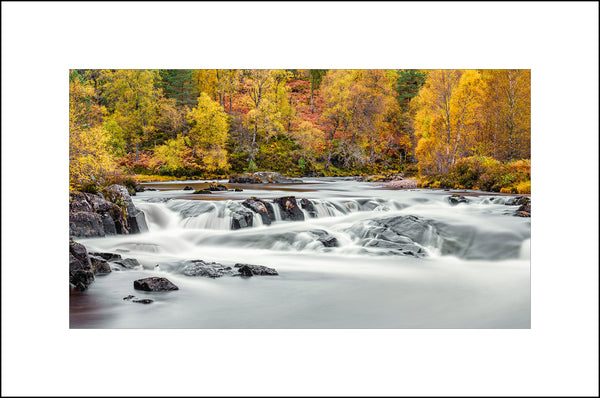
(326, 239)
(217, 187)
(78, 202)
(518, 201)
(106, 256)
(289, 208)
(456, 199)
(128, 297)
(188, 188)
(251, 270)
(238, 190)
(98, 203)
(143, 301)
(265, 209)
(241, 219)
(85, 224)
(136, 221)
(154, 284)
(100, 265)
(244, 179)
(203, 268)
(128, 263)
(309, 207)
(139, 188)
(203, 191)
(151, 189)
(108, 224)
(81, 274)
(524, 210)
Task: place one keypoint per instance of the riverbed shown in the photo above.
(365, 256)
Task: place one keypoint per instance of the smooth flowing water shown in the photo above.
(364, 257)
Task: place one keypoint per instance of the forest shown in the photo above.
(445, 128)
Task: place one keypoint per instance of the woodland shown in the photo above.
(445, 128)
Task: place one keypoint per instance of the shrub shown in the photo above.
(89, 187)
(524, 187)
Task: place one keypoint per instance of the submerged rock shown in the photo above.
(143, 301)
(81, 273)
(203, 268)
(154, 284)
(251, 270)
(128, 263)
(289, 208)
(202, 192)
(456, 199)
(106, 256)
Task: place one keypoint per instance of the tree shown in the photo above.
(89, 155)
(178, 84)
(449, 110)
(316, 76)
(208, 133)
(134, 101)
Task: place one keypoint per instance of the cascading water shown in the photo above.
(355, 255)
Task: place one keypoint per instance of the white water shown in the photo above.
(471, 268)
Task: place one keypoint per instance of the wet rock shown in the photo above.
(251, 270)
(78, 202)
(324, 237)
(129, 297)
(241, 219)
(518, 201)
(202, 192)
(128, 263)
(456, 199)
(99, 265)
(98, 203)
(143, 301)
(217, 187)
(136, 221)
(524, 210)
(81, 273)
(188, 188)
(289, 208)
(108, 224)
(139, 188)
(203, 268)
(309, 207)
(244, 179)
(85, 224)
(154, 284)
(263, 208)
(106, 256)
(238, 190)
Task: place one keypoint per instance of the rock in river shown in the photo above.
(289, 208)
(250, 270)
(81, 273)
(154, 284)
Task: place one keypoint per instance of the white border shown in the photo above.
(558, 41)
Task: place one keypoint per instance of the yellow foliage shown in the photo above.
(524, 187)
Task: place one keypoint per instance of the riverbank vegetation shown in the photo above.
(447, 128)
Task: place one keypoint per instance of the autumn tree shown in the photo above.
(208, 133)
(90, 158)
(448, 115)
(132, 98)
(508, 113)
(178, 84)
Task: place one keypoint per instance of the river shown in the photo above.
(365, 256)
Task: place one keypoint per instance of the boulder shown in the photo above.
(289, 208)
(244, 179)
(203, 268)
(518, 201)
(241, 219)
(154, 284)
(217, 187)
(188, 188)
(324, 237)
(99, 265)
(81, 273)
(78, 202)
(136, 221)
(524, 210)
(309, 207)
(108, 224)
(251, 270)
(202, 191)
(456, 199)
(85, 224)
(263, 208)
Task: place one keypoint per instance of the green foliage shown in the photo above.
(408, 83)
(179, 85)
(89, 187)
